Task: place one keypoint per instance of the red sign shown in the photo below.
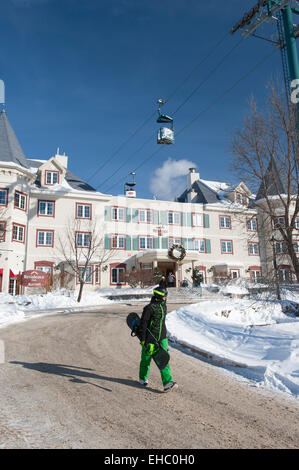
(34, 278)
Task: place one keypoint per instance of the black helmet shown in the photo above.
(160, 292)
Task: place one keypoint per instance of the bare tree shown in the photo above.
(83, 250)
(265, 154)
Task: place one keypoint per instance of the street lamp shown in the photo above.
(272, 241)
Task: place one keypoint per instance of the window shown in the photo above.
(46, 208)
(119, 242)
(82, 239)
(2, 231)
(45, 238)
(18, 233)
(225, 222)
(118, 213)
(255, 273)
(145, 266)
(87, 277)
(12, 288)
(252, 225)
(197, 220)
(278, 222)
(296, 246)
(83, 211)
(97, 275)
(44, 266)
(3, 197)
(241, 199)
(226, 246)
(174, 218)
(117, 275)
(45, 269)
(285, 274)
(199, 245)
(52, 177)
(20, 201)
(253, 248)
(145, 243)
(234, 273)
(174, 241)
(145, 215)
(281, 247)
(297, 223)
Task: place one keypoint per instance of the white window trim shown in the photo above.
(119, 210)
(45, 232)
(146, 239)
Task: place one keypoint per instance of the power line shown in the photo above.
(263, 60)
(187, 99)
(153, 114)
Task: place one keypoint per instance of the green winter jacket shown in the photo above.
(153, 318)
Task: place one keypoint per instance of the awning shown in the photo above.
(147, 256)
(11, 274)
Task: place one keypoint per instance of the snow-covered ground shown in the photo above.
(260, 337)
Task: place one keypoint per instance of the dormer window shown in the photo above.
(51, 177)
(241, 199)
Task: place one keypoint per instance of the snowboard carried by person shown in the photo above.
(151, 332)
(159, 355)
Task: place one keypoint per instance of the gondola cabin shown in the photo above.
(165, 136)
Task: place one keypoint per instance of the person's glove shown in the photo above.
(150, 349)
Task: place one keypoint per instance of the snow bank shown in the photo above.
(14, 309)
(256, 335)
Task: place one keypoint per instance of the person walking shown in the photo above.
(171, 279)
(153, 319)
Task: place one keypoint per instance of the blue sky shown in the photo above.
(84, 75)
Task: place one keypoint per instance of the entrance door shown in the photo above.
(165, 269)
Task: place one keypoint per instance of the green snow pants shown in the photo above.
(145, 365)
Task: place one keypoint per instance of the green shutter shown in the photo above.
(189, 219)
(128, 214)
(107, 242)
(128, 242)
(163, 217)
(135, 215)
(156, 243)
(135, 243)
(184, 242)
(107, 212)
(183, 219)
(164, 243)
(208, 246)
(207, 221)
(156, 217)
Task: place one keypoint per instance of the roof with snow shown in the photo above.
(74, 181)
(208, 192)
(11, 152)
(276, 182)
(10, 149)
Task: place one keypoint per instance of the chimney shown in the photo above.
(191, 178)
(62, 159)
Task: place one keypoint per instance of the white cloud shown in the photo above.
(169, 181)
